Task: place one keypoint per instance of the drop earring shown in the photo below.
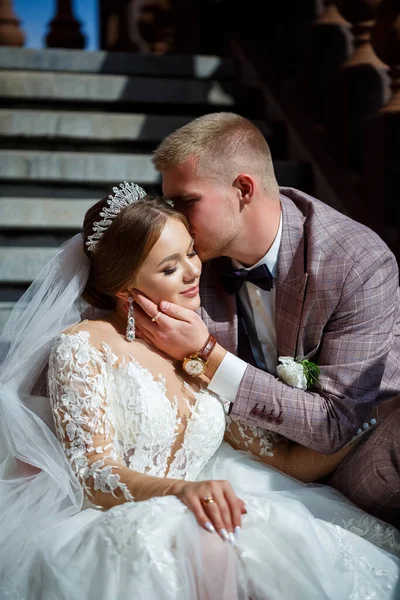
(130, 325)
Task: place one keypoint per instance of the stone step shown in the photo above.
(82, 126)
(5, 310)
(22, 265)
(76, 167)
(43, 213)
(121, 63)
(103, 168)
(93, 127)
(38, 87)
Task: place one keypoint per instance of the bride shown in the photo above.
(115, 479)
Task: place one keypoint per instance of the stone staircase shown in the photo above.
(73, 124)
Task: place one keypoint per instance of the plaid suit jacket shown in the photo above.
(337, 304)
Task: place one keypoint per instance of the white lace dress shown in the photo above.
(297, 542)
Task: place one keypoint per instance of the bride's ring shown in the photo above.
(154, 319)
(208, 500)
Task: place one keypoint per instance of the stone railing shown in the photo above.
(332, 72)
(64, 28)
(149, 26)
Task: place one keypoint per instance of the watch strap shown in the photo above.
(205, 351)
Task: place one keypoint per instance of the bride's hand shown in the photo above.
(214, 504)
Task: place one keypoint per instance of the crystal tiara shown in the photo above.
(127, 193)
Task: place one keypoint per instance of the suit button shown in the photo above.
(255, 411)
(262, 414)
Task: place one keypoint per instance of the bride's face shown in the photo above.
(172, 269)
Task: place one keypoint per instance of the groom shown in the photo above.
(286, 275)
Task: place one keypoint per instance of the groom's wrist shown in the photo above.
(215, 359)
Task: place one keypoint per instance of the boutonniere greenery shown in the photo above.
(297, 373)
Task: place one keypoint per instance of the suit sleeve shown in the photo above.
(356, 341)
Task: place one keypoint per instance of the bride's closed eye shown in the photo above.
(169, 271)
(172, 270)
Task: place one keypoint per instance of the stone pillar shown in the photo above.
(328, 47)
(382, 156)
(361, 86)
(119, 25)
(386, 43)
(157, 26)
(65, 28)
(10, 32)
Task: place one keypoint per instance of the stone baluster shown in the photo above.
(10, 32)
(137, 25)
(361, 86)
(328, 48)
(119, 25)
(361, 14)
(382, 156)
(65, 28)
(157, 25)
(386, 43)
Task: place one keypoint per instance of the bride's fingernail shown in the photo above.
(237, 531)
(232, 538)
(224, 534)
(210, 527)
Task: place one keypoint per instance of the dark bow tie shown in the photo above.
(260, 276)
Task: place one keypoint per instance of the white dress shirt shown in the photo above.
(259, 308)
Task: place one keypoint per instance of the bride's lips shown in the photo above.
(191, 292)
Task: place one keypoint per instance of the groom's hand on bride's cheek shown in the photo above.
(176, 331)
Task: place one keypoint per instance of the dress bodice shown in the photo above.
(94, 394)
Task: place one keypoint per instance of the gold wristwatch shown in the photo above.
(195, 364)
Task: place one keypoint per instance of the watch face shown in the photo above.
(194, 367)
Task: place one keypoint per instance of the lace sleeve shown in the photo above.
(291, 458)
(77, 380)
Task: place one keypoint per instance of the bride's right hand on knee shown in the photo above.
(214, 504)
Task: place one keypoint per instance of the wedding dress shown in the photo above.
(122, 411)
(297, 541)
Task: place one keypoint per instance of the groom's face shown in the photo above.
(210, 207)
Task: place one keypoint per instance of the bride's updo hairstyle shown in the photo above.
(124, 247)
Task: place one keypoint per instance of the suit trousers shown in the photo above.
(370, 475)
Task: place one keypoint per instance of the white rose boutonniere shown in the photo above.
(297, 373)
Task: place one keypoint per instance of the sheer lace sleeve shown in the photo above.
(84, 424)
(300, 462)
(78, 388)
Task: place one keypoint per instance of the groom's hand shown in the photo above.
(177, 331)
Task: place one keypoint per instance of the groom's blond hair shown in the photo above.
(223, 145)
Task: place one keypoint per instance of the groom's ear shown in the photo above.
(245, 186)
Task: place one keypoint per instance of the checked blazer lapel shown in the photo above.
(291, 281)
(221, 312)
(218, 309)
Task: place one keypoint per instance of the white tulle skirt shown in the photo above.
(297, 542)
